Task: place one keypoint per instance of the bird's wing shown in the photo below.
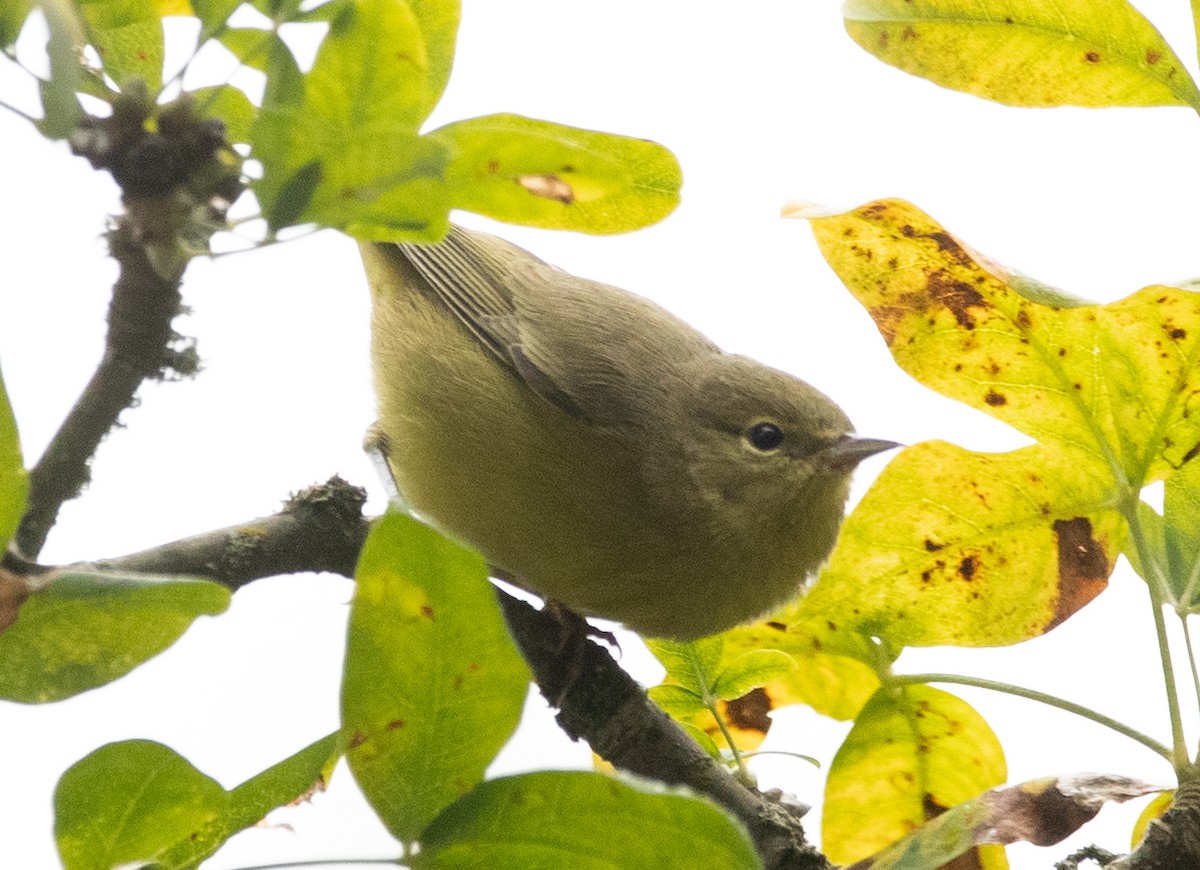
(593, 350)
(475, 277)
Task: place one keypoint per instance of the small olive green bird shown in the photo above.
(596, 449)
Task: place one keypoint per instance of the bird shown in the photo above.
(596, 449)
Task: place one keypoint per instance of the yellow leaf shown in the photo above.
(1153, 810)
(172, 7)
(911, 755)
(1027, 52)
(971, 549)
(1116, 384)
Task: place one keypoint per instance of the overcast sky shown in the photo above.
(760, 107)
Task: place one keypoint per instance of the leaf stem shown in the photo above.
(1050, 700)
(1156, 583)
(18, 112)
(1191, 653)
(711, 703)
(325, 862)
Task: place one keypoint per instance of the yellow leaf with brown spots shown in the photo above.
(979, 549)
(1115, 384)
(1027, 52)
(911, 755)
(971, 549)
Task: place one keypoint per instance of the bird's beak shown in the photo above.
(845, 453)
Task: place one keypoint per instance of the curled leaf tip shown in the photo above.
(801, 209)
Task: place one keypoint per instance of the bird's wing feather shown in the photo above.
(474, 281)
(571, 340)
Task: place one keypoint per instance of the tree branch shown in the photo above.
(600, 703)
(322, 529)
(138, 347)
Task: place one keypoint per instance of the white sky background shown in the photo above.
(759, 107)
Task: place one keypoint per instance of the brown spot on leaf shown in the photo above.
(548, 187)
(1152, 56)
(778, 626)
(493, 167)
(1092, 57)
(14, 589)
(1191, 454)
(910, 33)
(948, 245)
(884, 38)
(1083, 567)
(1178, 334)
(1023, 321)
(357, 740)
(958, 297)
(395, 725)
(427, 611)
(886, 318)
(932, 546)
(967, 568)
(995, 399)
(749, 712)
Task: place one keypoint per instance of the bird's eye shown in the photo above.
(764, 436)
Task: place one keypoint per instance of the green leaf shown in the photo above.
(14, 482)
(83, 630)
(704, 683)
(911, 754)
(433, 685)
(691, 664)
(137, 801)
(232, 106)
(129, 803)
(12, 18)
(439, 28)
(213, 14)
(128, 35)
(751, 670)
(585, 821)
(543, 174)
(1180, 531)
(678, 702)
(834, 669)
(355, 119)
(248, 804)
(253, 46)
(1027, 52)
